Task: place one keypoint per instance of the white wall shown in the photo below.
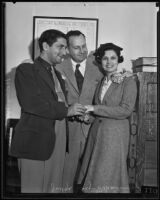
(131, 25)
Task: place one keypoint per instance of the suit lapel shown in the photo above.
(44, 75)
(97, 93)
(68, 70)
(87, 75)
(111, 88)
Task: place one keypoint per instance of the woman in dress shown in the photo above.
(104, 166)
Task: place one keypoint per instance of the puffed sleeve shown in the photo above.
(126, 106)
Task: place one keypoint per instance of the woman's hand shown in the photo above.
(76, 109)
(89, 108)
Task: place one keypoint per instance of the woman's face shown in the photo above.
(110, 61)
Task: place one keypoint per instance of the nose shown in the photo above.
(64, 51)
(81, 50)
(108, 61)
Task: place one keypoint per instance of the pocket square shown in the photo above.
(63, 77)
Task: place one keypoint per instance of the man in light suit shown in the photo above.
(81, 76)
(40, 139)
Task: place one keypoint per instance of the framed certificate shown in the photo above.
(88, 26)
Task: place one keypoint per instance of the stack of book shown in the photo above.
(145, 64)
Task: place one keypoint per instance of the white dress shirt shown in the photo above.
(106, 85)
(82, 67)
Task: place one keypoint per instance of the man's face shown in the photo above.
(57, 51)
(77, 48)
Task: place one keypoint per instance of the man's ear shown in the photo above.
(45, 46)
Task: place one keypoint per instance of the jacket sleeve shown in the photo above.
(33, 102)
(126, 106)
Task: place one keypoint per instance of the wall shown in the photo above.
(130, 25)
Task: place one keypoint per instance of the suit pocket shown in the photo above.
(24, 140)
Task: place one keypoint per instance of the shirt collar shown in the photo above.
(107, 81)
(83, 64)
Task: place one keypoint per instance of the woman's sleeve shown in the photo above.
(126, 106)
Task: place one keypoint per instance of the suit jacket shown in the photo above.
(34, 136)
(91, 78)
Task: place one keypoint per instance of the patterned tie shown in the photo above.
(49, 69)
(61, 98)
(79, 78)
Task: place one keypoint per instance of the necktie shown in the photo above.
(49, 69)
(56, 82)
(61, 98)
(79, 78)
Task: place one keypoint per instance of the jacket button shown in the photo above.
(100, 120)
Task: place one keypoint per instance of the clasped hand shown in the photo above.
(76, 109)
(86, 117)
(80, 112)
(89, 108)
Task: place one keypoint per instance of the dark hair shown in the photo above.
(99, 53)
(73, 33)
(50, 36)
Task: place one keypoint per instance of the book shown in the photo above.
(145, 68)
(147, 61)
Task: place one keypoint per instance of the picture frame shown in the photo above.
(88, 26)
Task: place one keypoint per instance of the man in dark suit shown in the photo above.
(41, 137)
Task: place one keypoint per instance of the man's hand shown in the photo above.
(129, 73)
(27, 61)
(76, 109)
